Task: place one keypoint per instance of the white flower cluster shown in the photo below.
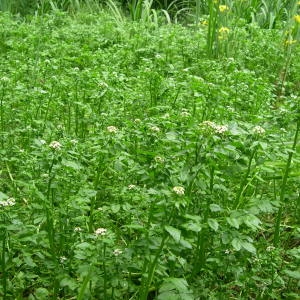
(100, 231)
(117, 252)
(112, 129)
(258, 130)
(55, 145)
(179, 190)
(159, 159)
(219, 129)
(8, 202)
(131, 186)
(155, 129)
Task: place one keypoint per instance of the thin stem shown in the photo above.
(283, 187)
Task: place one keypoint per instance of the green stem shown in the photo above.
(148, 280)
(283, 187)
(3, 267)
(244, 181)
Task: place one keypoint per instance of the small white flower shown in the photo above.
(159, 159)
(117, 252)
(258, 130)
(55, 145)
(103, 84)
(62, 259)
(166, 116)
(155, 129)
(74, 142)
(100, 231)
(229, 108)
(179, 190)
(208, 124)
(137, 120)
(8, 202)
(4, 79)
(112, 129)
(77, 229)
(270, 248)
(131, 186)
(43, 142)
(227, 251)
(185, 113)
(221, 129)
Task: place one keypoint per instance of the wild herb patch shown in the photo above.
(148, 162)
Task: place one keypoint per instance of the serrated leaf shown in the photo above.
(213, 224)
(174, 232)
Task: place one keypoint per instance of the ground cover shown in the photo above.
(144, 162)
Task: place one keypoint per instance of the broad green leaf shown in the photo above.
(115, 208)
(249, 247)
(215, 207)
(3, 196)
(41, 293)
(71, 164)
(236, 244)
(190, 226)
(233, 222)
(185, 244)
(69, 282)
(174, 233)
(213, 224)
(293, 274)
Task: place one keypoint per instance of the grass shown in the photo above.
(143, 160)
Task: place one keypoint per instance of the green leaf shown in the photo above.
(236, 244)
(213, 224)
(3, 196)
(175, 289)
(215, 207)
(115, 208)
(68, 282)
(252, 222)
(233, 222)
(248, 246)
(190, 226)
(185, 244)
(71, 164)
(174, 233)
(41, 293)
(293, 274)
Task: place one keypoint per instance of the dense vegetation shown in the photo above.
(149, 150)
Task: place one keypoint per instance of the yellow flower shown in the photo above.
(223, 8)
(290, 42)
(297, 18)
(204, 22)
(224, 30)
